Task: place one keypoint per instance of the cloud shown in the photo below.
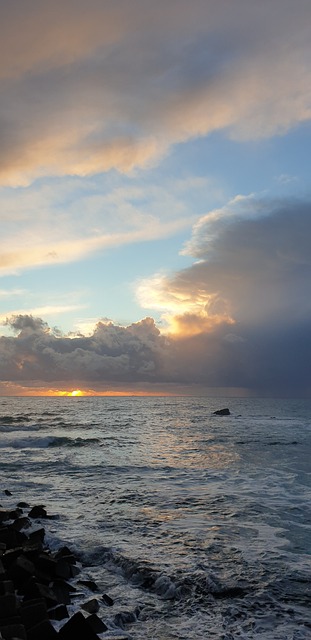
(239, 316)
(68, 220)
(111, 353)
(241, 313)
(46, 310)
(87, 87)
(253, 264)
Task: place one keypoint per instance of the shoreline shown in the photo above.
(43, 593)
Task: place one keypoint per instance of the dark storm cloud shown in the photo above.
(131, 353)
(241, 314)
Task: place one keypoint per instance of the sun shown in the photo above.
(76, 392)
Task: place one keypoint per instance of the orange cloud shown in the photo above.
(98, 86)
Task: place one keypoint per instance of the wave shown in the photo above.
(199, 584)
(48, 441)
(9, 420)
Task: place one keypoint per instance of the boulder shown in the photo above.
(222, 412)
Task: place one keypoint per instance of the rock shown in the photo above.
(77, 627)
(58, 613)
(62, 591)
(42, 630)
(96, 623)
(107, 600)
(13, 631)
(33, 612)
(38, 512)
(90, 584)
(33, 589)
(91, 606)
(21, 570)
(8, 605)
(20, 523)
(222, 412)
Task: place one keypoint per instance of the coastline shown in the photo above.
(43, 593)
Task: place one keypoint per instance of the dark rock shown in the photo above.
(46, 564)
(91, 606)
(7, 492)
(63, 569)
(20, 523)
(77, 627)
(10, 620)
(42, 630)
(14, 631)
(92, 586)
(33, 612)
(8, 537)
(8, 605)
(23, 505)
(58, 613)
(6, 586)
(21, 570)
(10, 556)
(74, 571)
(107, 600)
(38, 512)
(62, 591)
(96, 623)
(33, 589)
(37, 535)
(2, 571)
(65, 552)
(4, 516)
(222, 412)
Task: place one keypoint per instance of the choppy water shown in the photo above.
(198, 526)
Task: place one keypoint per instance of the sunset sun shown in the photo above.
(76, 392)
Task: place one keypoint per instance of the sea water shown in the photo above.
(196, 525)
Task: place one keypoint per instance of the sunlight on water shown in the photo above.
(201, 522)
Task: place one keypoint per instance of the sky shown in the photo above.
(155, 197)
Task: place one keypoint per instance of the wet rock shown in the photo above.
(34, 588)
(96, 624)
(90, 584)
(77, 627)
(92, 606)
(107, 600)
(37, 512)
(62, 591)
(58, 613)
(23, 505)
(222, 412)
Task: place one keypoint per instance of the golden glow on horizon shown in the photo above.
(76, 392)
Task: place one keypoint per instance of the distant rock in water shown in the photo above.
(222, 412)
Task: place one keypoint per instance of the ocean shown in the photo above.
(196, 525)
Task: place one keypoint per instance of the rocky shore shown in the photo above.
(38, 586)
